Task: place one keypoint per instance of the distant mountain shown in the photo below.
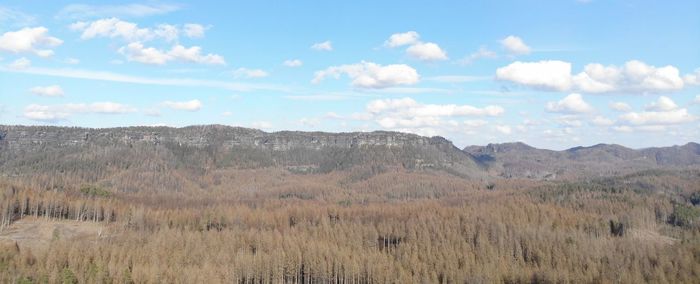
(134, 152)
(167, 158)
(521, 160)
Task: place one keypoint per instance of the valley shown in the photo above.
(210, 204)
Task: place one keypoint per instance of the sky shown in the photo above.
(552, 74)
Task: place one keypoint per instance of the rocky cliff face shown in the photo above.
(216, 146)
(28, 137)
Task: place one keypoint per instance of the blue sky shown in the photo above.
(553, 74)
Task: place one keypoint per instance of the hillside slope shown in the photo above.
(521, 160)
(140, 153)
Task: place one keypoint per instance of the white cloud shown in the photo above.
(623, 128)
(634, 77)
(261, 125)
(361, 116)
(113, 28)
(105, 107)
(372, 75)
(19, 64)
(569, 120)
(408, 115)
(692, 79)
(651, 128)
(644, 128)
(425, 51)
(602, 121)
(620, 106)
(249, 73)
(408, 107)
(194, 30)
(696, 100)
(428, 51)
(332, 115)
(293, 63)
(131, 32)
(193, 105)
(226, 113)
(504, 129)
(548, 75)
(29, 40)
(401, 39)
(309, 122)
(323, 46)
(572, 103)
(662, 112)
(483, 52)
(152, 112)
(475, 123)
(124, 78)
(44, 113)
(167, 32)
(663, 103)
(48, 91)
(193, 54)
(82, 11)
(515, 45)
(55, 113)
(137, 52)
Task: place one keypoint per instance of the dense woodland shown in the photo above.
(363, 226)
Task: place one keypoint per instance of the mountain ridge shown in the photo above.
(220, 146)
(521, 160)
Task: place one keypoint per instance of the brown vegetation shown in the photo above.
(397, 226)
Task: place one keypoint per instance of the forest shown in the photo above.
(392, 226)
(199, 205)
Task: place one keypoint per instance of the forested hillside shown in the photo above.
(214, 204)
(521, 160)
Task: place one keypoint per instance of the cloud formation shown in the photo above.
(483, 52)
(293, 63)
(371, 75)
(249, 73)
(193, 30)
(663, 111)
(29, 40)
(515, 45)
(633, 77)
(546, 75)
(408, 115)
(20, 64)
(55, 113)
(573, 104)
(620, 106)
(137, 52)
(401, 39)
(193, 105)
(48, 91)
(424, 51)
(427, 51)
(323, 46)
(118, 29)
